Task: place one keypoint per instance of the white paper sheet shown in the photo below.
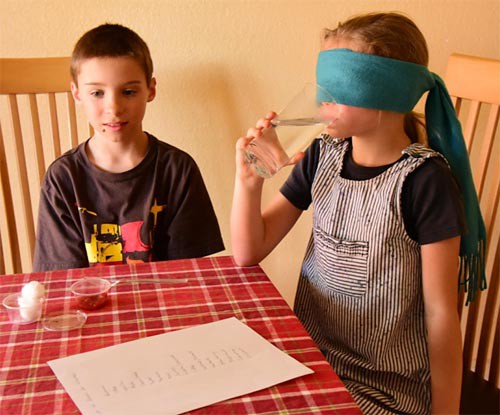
(175, 372)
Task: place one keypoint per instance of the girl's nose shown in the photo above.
(327, 110)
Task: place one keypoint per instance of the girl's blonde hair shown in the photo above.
(391, 35)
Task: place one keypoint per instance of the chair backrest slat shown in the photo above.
(10, 258)
(37, 133)
(490, 322)
(471, 124)
(494, 372)
(26, 216)
(54, 126)
(487, 147)
(72, 120)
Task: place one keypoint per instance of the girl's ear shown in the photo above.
(75, 92)
(152, 89)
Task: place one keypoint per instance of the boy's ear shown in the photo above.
(152, 89)
(75, 92)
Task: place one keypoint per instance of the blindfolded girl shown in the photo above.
(394, 213)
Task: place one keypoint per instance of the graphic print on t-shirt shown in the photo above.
(115, 243)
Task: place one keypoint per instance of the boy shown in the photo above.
(122, 196)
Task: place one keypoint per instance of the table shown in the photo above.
(217, 288)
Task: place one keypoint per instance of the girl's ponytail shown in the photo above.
(414, 125)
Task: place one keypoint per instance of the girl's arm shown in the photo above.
(439, 271)
(254, 234)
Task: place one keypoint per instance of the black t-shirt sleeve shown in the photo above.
(432, 203)
(297, 188)
(59, 242)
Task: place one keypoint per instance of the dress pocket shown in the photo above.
(342, 265)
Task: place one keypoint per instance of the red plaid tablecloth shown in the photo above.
(216, 289)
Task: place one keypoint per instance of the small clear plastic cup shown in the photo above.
(21, 310)
(91, 293)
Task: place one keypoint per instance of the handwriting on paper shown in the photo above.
(179, 364)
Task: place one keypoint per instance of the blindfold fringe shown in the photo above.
(471, 274)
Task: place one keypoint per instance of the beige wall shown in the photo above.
(221, 64)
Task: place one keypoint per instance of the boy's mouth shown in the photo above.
(115, 126)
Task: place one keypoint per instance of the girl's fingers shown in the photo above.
(254, 132)
(242, 142)
(244, 170)
(270, 115)
(266, 122)
(263, 123)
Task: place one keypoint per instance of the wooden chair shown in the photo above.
(36, 110)
(474, 84)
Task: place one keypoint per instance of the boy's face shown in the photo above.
(113, 92)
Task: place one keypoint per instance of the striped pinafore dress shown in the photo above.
(360, 289)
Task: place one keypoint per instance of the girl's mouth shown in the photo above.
(331, 123)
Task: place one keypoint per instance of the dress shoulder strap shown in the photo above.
(418, 150)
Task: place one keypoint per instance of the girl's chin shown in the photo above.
(331, 130)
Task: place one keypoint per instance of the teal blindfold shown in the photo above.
(371, 81)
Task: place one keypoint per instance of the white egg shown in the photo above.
(33, 290)
(30, 308)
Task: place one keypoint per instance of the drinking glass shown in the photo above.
(301, 120)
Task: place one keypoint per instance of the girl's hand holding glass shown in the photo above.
(280, 139)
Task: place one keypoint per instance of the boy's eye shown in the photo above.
(129, 92)
(97, 94)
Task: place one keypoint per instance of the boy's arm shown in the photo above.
(59, 243)
(254, 234)
(439, 274)
(193, 229)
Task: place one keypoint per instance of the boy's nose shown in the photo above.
(114, 105)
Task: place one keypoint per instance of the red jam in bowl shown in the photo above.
(91, 302)
(91, 293)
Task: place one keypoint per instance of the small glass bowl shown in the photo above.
(21, 311)
(67, 321)
(90, 293)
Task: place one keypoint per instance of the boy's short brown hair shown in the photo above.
(111, 40)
